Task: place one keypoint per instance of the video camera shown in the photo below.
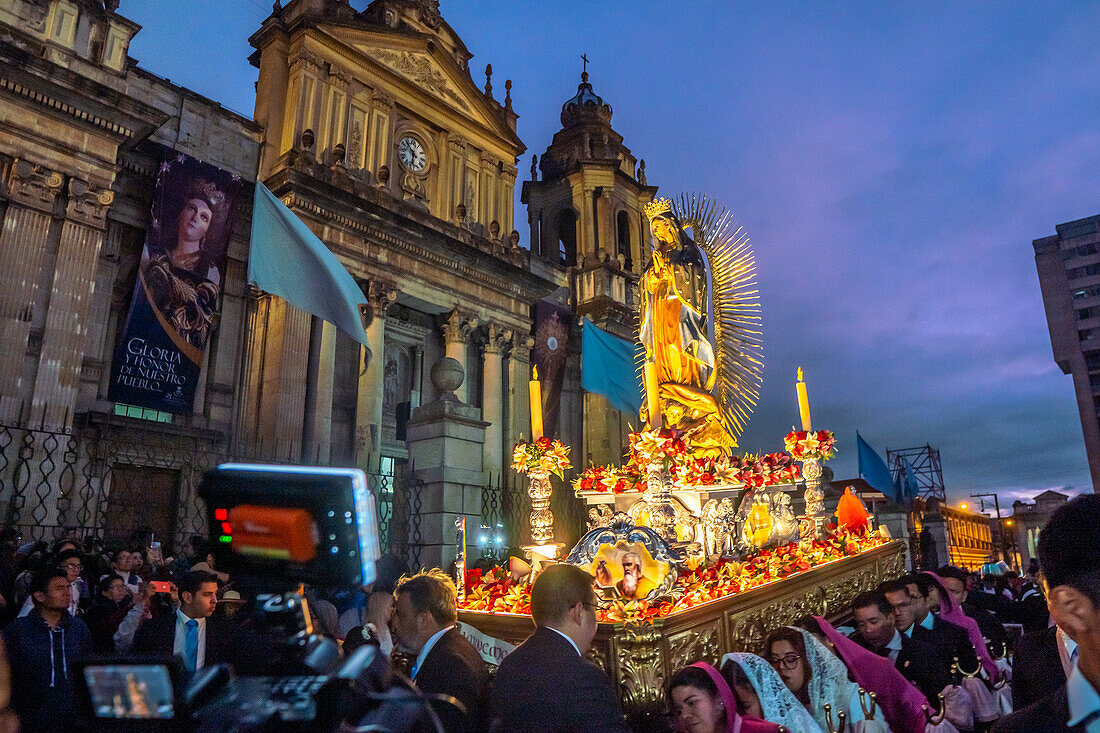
(284, 526)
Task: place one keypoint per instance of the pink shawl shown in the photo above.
(902, 704)
(734, 722)
(954, 614)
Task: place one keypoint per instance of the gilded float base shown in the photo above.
(639, 658)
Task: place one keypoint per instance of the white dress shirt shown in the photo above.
(427, 648)
(180, 642)
(895, 646)
(564, 636)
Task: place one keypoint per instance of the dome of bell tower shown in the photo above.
(585, 106)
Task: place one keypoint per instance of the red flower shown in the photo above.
(543, 443)
(473, 577)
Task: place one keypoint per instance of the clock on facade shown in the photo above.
(412, 155)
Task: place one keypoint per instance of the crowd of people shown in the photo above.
(929, 652)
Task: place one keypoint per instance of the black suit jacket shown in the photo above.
(1047, 715)
(453, 667)
(991, 628)
(544, 686)
(950, 641)
(1036, 668)
(918, 662)
(156, 637)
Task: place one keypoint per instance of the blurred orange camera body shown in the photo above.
(281, 533)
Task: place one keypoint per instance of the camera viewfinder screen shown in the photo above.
(130, 691)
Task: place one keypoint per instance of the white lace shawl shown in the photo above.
(777, 702)
(829, 683)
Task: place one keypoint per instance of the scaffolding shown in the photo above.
(925, 462)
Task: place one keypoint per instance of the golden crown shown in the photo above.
(658, 207)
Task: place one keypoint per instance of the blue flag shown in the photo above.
(911, 489)
(874, 471)
(288, 260)
(608, 368)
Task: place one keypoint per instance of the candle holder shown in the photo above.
(813, 520)
(539, 489)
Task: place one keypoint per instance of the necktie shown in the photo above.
(191, 646)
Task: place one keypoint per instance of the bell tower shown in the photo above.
(586, 217)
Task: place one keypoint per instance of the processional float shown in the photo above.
(695, 550)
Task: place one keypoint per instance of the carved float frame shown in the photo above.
(639, 658)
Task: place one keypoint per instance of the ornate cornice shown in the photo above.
(46, 100)
(382, 238)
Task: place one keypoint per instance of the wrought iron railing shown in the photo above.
(89, 480)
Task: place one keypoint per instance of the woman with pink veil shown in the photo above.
(902, 704)
(700, 701)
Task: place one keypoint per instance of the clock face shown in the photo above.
(411, 154)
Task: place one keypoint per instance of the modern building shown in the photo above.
(1069, 276)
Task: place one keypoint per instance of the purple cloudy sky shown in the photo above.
(892, 162)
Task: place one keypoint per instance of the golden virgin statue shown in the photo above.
(698, 315)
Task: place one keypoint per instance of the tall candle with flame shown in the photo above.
(536, 405)
(803, 402)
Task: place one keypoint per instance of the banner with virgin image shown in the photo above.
(177, 295)
(553, 324)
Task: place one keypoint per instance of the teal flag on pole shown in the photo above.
(608, 368)
(874, 471)
(911, 488)
(288, 260)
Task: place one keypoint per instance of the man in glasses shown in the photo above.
(915, 659)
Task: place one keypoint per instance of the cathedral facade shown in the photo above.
(370, 127)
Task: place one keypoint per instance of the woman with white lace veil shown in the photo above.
(828, 682)
(761, 693)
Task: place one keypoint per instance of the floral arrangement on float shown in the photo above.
(544, 456)
(666, 447)
(810, 445)
(498, 591)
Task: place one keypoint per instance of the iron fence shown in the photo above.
(506, 511)
(112, 477)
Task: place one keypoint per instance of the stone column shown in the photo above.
(456, 334)
(446, 440)
(317, 438)
(33, 192)
(493, 403)
(416, 373)
(519, 386)
(378, 135)
(368, 413)
(57, 381)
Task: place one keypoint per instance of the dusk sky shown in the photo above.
(891, 162)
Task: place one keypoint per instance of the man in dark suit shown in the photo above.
(1038, 666)
(190, 633)
(1069, 554)
(424, 623)
(950, 641)
(546, 685)
(954, 580)
(916, 660)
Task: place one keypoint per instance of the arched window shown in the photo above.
(622, 232)
(567, 238)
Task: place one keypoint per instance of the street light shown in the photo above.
(963, 505)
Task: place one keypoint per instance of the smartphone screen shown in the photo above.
(161, 586)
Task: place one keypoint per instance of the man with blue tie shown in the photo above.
(190, 633)
(1069, 556)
